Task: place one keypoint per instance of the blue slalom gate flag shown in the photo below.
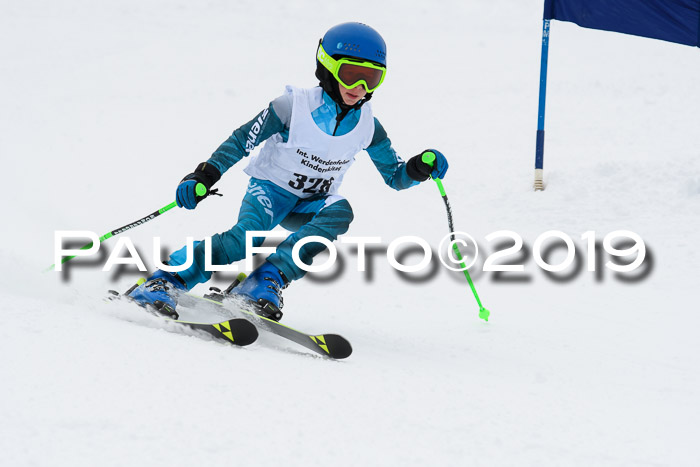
(675, 21)
(669, 20)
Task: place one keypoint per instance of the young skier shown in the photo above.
(311, 139)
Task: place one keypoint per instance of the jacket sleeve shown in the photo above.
(274, 119)
(388, 163)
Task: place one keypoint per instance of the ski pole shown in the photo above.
(429, 158)
(200, 191)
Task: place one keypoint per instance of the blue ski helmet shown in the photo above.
(354, 40)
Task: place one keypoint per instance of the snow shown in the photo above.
(107, 105)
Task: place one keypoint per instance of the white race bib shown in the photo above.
(311, 161)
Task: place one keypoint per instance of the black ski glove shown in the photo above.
(420, 171)
(186, 193)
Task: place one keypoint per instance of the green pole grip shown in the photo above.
(429, 158)
(200, 189)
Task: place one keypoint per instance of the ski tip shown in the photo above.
(243, 331)
(338, 346)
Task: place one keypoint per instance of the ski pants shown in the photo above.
(264, 206)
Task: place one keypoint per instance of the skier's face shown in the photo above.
(352, 96)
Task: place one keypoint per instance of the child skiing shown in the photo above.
(311, 138)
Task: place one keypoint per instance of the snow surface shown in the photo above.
(106, 105)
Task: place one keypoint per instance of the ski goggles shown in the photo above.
(350, 72)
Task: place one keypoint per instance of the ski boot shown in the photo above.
(264, 287)
(160, 291)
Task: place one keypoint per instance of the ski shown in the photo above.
(237, 331)
(328, 345)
